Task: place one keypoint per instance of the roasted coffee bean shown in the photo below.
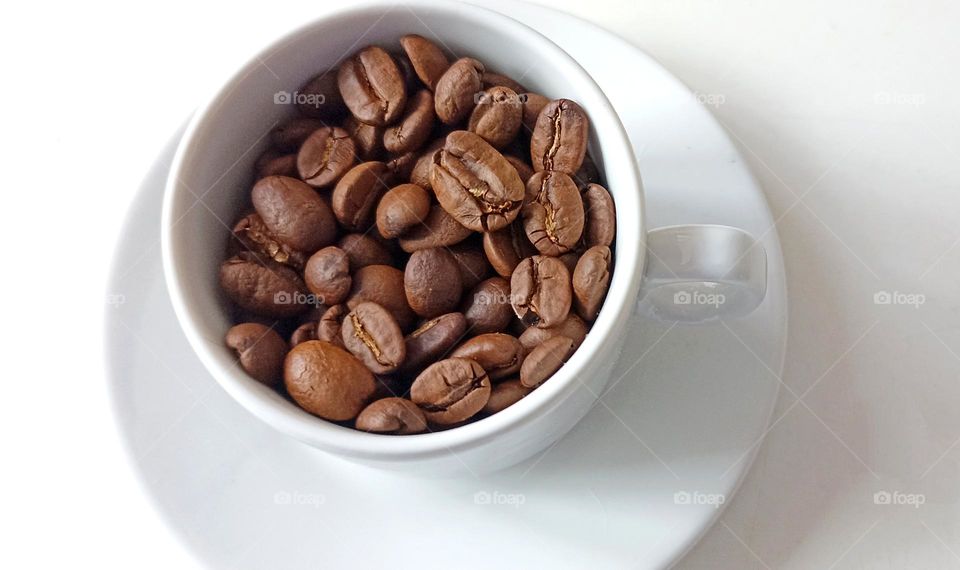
(414, 127)
(329, 325)
(497, 116)
(363, 250)
(451, 391)
(428, 60)
(432, 282)
(391, 386)
(540, 291)
(523, 169)
(499, 354)
(303, 333)
(285, 165)
(320, 97)
(371, 334)
(492, 79)
(294, 213)
(570, 260)
(590, 281)
(368, 139)
(254, 236)
(505, 394)
(356, 195)
(402, 208)
(383, 285)
(420, 175)
(487, 307)
(533, 103)
(544, 361)
(400, 166)
(433, 339)
(327, 275)
(440, 229)
(325, 156)
(559, 139)
(506, 248)
(260, 350)
(475, 184)
(600, 224)
(263, 287)
(397, 416)
(587, 173)
(456, 89)
(410, 80)
(372, 86)
(289, 136)
(472, 263)
(327, 381)
(573, 328)
(553, 214)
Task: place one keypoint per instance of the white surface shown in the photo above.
(856, 100)
(679, 422)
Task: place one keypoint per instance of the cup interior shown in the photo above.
(212, 175)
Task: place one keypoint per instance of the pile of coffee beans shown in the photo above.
(428, 242)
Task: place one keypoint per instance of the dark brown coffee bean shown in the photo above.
(368, 139)
(433, 340)
(312, 315)
(573, 328)
(285, 165)
(533, 103)
(497, 116)
(506, 248)
(326, 156)
(553, 214)
(396, 416)
(600, 223)
(451, 391)
(590, 281)
(328, 328)
(356, 195)
(544, 361)
(456, 89)
(587, 174)
(254, 236)
(540, 291)
(372, 86)
(410, 80)
(401, 166)
(560, 137)
(438, 230)
(414, 127)
(327, 275)
(487, 307)
(420, 175)
(432, 282)
(475, 184)
(303, 333)
(523, 169)
(327, 381)
(402, 208)
(499, 354)
(428, 60)
(260, 351)
(504, 395)
(391, 386)
(290, 135)
(263, 287)
(492, 79)
(364, 250)
(383, 285)
(320, 97)
(472, 263)
(371, 334)
(294, 213)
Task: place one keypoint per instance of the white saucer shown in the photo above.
(635, 484)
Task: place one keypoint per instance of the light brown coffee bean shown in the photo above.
(487, 307)
(363, 250)
(540, 291)
(553, 214)
(432, 282)
(290, 135)
(544, 361)
(505, 394)
(356, 195)
(397, 416)
(560, 137)
(260, 351)
(320, 97)
(433, 340)
(573, 328)
(327, 381)
(325, 156)
(499, 354)
(420, 175)
(294, 212)
(506, 248)
(414, 127)
(451, 391)
(497, 116)
(383, 285)
(440, 229)
(327, 275)
(600, 223)
(371, 334)
(428, 60)
(456, 89)
(372, 86)
(401, 208)
(263, 287)
(591, 278)
(257, 238)
(329, 325)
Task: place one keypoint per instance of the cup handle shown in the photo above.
(699, 273)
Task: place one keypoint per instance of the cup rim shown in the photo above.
(625, 282)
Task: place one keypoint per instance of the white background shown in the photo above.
(846, 111)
